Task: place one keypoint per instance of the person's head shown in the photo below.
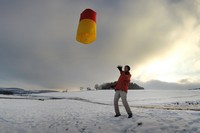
(127, 68)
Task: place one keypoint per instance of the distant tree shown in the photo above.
(65, 90)
(134, 86)
(81, 88)
(96, 86)
(109, 86)
(6, 92)
(89, 89)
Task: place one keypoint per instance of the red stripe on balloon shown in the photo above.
(88, 14)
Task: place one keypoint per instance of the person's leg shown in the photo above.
(123, 96)
(116, 99)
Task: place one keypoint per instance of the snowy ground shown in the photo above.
(92, 112)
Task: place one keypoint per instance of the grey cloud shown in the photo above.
(38, 46)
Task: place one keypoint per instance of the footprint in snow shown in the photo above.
(139, 124)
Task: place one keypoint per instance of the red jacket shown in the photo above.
(123, 81)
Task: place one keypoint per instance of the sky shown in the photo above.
(158, 39)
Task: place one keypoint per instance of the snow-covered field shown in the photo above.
(154, 111)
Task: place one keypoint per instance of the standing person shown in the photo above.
(121, 89)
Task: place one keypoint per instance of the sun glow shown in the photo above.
(182, 61)
(158, 69)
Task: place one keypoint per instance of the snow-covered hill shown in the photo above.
(92, 112)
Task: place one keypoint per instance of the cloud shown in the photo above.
(38, 46)
(160, 85)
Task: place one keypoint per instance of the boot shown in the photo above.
(130, 115)
(117, 115)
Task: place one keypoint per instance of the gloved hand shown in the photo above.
(119, 67)
(113, 85)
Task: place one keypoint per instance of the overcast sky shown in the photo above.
(159, 39)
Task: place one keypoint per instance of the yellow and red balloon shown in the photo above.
(86, 32)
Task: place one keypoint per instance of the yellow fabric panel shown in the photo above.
(86, 32)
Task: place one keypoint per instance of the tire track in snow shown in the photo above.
(145, 107)
(167, 107)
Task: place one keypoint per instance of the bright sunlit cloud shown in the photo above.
(182, 62)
